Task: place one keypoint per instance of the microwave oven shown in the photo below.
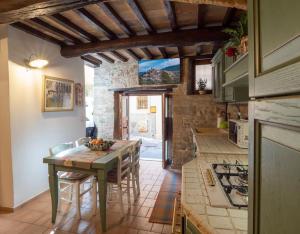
(238, 132)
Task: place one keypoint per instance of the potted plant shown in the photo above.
(202, 85)
(238, 42)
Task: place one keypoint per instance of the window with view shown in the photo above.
(142, 102)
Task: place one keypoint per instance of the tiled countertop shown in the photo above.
(195, 201)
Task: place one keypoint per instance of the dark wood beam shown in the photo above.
(17, 10)
(199, 50)
(171, 14)
(109, 11)
(64, 21)
(202, 57)
(48, 27)
(147, 52)
(89, 58)
(119, 56)
(91, 19)
(202, 9)
(168, 39)
(134, 55)
(106, 58)
(136, 8)
(163, 52)
(36, 33)
(180, 51)
(228, 16)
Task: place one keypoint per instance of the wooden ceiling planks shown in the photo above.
(114, 20)
(17, 10)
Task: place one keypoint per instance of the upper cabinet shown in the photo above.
(274, 36)
(230, 78)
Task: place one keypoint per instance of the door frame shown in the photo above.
(118, 116)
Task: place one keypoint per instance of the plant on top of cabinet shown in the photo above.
(238, 42)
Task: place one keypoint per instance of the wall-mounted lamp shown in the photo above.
(36, 62)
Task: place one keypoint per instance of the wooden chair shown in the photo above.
(82, 141)
(70, 181)
(135, 169)
(119, 178)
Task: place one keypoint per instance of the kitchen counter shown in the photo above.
(198, 199)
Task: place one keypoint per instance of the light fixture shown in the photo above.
(36, 62)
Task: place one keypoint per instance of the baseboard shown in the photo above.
(11, 210)
(7, 209)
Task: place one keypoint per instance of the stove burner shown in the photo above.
(241, 190)
(243, 178)
(234, 180)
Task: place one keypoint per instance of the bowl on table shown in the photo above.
(99, 145)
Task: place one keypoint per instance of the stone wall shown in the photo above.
(188, 110)
(109, 76)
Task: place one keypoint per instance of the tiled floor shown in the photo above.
(35, 216)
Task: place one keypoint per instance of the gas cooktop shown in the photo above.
(234, 181)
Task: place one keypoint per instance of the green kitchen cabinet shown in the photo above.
(218, 76)
(190, 228)
(274, 117)
(236, 94)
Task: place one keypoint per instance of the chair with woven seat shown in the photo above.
(70, 181)
(120, 176)
(135, 169)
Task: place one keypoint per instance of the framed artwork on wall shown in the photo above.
(159, 71)
(58, 94)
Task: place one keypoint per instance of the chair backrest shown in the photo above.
(124, 163)
(61, 147)
(135, 157)
(82, 141)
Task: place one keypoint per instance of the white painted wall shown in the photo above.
(32, 131)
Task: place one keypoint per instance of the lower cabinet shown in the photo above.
(189, 227)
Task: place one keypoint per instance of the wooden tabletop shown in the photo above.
(83, 157)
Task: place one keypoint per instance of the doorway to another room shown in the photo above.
(146, 123)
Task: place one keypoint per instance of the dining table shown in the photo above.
(84, 160)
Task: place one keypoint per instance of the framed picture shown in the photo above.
(159, 71)
(58, 94)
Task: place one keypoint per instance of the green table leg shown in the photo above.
(53, 183)
(102, 185)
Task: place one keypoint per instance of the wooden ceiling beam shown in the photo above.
(17, 10)
(106, 58)
(168, 39)
(180, 51)
(89, 58)
(137, 9)
(109, 11)
(37, 33)
(134, 55)
(64, 21)
(163, 52)
(171, 14)
(91, 19)
(119, 56)
(147, 52)
(48, 27)
(202, 10)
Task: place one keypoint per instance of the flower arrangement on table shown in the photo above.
(238, 42)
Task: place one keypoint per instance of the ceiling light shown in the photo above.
(36, 62)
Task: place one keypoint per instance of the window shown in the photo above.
(204, 73)
(142, 102)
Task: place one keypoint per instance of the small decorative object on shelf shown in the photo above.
(238, 37)
(202, 85)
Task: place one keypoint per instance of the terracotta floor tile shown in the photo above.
(35, 216)
(157, 227)
(167, 229)
(143, 211)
